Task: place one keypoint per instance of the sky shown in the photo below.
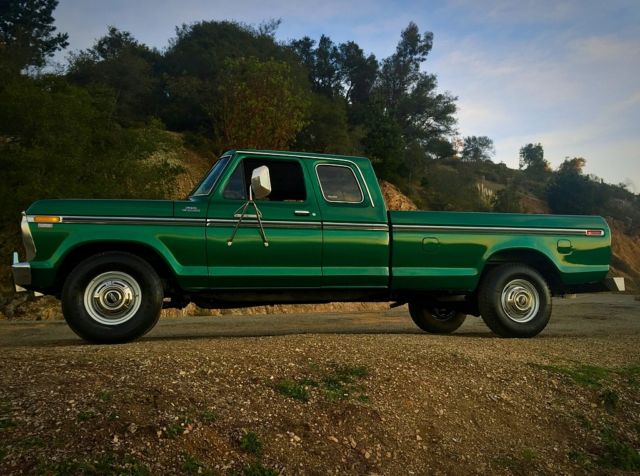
(562, 73)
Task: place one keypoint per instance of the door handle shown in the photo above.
(302, 213)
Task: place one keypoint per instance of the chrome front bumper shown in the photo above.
(21, 273)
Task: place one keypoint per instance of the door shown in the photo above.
(289, 255)
(355, 251)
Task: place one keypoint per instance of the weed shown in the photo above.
(584, 422)
(520, 463)
(617, 454)
(192, 466)
(258, 469)
(105, 396)
(292, 389)
(86, 415)
(337, 384)
(580, 458)
(3, 453)
(174, 430)
(609, 399)
(208, 416)
(593, 376)
(31, 442)
(251, 443)
(6, 422)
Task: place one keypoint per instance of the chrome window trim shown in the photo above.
(320, 164)
(498, 229)
(317, 157)
(213, 185)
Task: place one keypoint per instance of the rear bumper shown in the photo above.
(615, 284)
(21, 273)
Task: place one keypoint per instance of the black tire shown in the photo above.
(515, 301)
(98, 285)
(434, 319)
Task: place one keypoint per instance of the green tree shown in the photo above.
(261, 106)
(327, 129)
(119, 62)
(59, 141)
(532, 158)
(192, 65)
(27, 34)
(575, 165)
(477, 148)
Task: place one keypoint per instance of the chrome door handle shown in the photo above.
(302, 213)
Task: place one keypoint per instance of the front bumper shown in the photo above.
(21, 273)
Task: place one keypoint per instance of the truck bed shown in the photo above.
(449, 250)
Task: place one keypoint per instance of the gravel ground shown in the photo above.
(354, 394)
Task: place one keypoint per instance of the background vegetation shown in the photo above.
(88, 129)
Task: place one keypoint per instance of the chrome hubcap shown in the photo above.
(112, 298)
(520, 300)
(443, 313)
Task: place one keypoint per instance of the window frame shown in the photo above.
(306, 183)
(362, 198)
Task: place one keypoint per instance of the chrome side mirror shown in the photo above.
(261, 182)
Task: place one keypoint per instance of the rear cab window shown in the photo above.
(338, 184)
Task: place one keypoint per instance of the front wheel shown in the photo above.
(515, 301)
(112, 297)
(435, 319)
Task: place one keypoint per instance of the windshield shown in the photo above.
(206, 185)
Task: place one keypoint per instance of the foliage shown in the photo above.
(117, 61)
(532, 158)
(27, 34)
(250, 442)
(477, 148)
(508, 201)
(261, 107)
(60, 141)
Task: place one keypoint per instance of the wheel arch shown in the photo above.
(530, 257)
(83, 251)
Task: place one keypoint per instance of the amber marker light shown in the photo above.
(46, 219)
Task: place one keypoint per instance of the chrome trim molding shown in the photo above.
(497, 229)
(215, 222)
(317, 157)
(21, 273)
(352, 173)
(106, 220)
(355, 226)
(27, 238)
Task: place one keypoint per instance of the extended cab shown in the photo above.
(283, 227)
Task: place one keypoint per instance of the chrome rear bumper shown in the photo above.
(615, 284)
(21, 273)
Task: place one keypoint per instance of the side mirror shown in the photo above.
(261, 182)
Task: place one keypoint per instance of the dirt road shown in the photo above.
(585, 315)
(363, 393)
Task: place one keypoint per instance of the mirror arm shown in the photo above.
(243, 213)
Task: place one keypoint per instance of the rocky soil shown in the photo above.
(395, 401)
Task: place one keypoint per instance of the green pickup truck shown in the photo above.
(283, 227)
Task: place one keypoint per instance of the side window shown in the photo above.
(287, 180)
(339, 184)
(235, 189)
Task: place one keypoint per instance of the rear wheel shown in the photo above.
(112, 297)
(435, 319)
(515, 301)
